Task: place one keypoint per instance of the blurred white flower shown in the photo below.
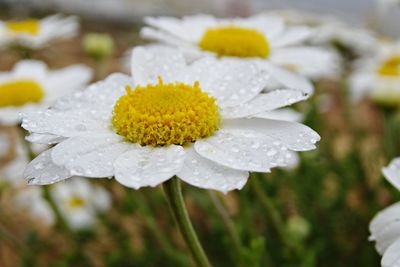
(385, 226)
(79, 201)
(378, 76)
(262, 39)
(329, 30)
(31, 200)
(197, 122)
(33, 33)
(30, 85)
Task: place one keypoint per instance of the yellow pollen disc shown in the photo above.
(20, 92)
(390, 67)
(75, 202)
(29, 26)
(235, 41)
(165, 114)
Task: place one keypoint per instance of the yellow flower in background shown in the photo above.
(31, 85)
(34, 33)
(378, 76)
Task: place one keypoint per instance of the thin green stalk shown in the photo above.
(173, 192)
(60, 219)
(271, 211)
(178, 258)
(226, 220)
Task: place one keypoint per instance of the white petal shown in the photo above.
(69, 79)
(392, 172)
(61, 123)
(283, 114)
(361, 83)
(42, 170)
(30, 69)
(391, 257)
(231, 81)
(264, 102)
(294, 136)
(47, 139)
(151, 62)
(385, 227)
(148, 166)
(201, 172)
(90, 156)
(287, 78)
(243, 150)
(292, 36)
(99, 97)
(189, 28)
(270, 25)
(313, 62)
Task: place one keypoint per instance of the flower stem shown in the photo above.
(265, 201)
(173, 191)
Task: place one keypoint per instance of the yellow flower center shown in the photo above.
(29, 26)
(390, 67)
(75, 202)
(235, 41)
(164, 114)
(20, 92)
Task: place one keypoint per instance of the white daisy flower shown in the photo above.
(196, 121)
(31, 200)
(385, 226)
(378, 76)
(262, 39)
(33, 33)
(79, 202)
(31, 85)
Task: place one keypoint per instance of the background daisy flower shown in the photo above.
(31, 85)
(34, 33)
(385, 226)
(195, 121)
(378, 76)
(79, 202)
(263, 39)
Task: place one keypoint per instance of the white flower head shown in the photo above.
(34, 34)
(264, 39)
(31, 85)
(79, 202)
(385, 226)
(195, 121)
(378, 76)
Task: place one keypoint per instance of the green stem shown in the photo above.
(226, 220)
(266, 202)
(179, 259)
(60, 219)
(173, 192)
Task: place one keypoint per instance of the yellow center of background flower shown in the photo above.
(165, 114)
(235, 41)
(29, 26)
(20, 92)
(75, 202)
(390, 67)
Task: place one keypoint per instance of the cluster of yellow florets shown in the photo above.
(165, 114)
(18, 93)
(30, 26)
(235, 41)
(391, 67)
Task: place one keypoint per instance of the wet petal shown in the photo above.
(42, 170)
(201, 172)
(243, 150)
(392, 172)
(148, 166)
(91, 156)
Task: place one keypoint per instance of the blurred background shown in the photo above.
(325, 204)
